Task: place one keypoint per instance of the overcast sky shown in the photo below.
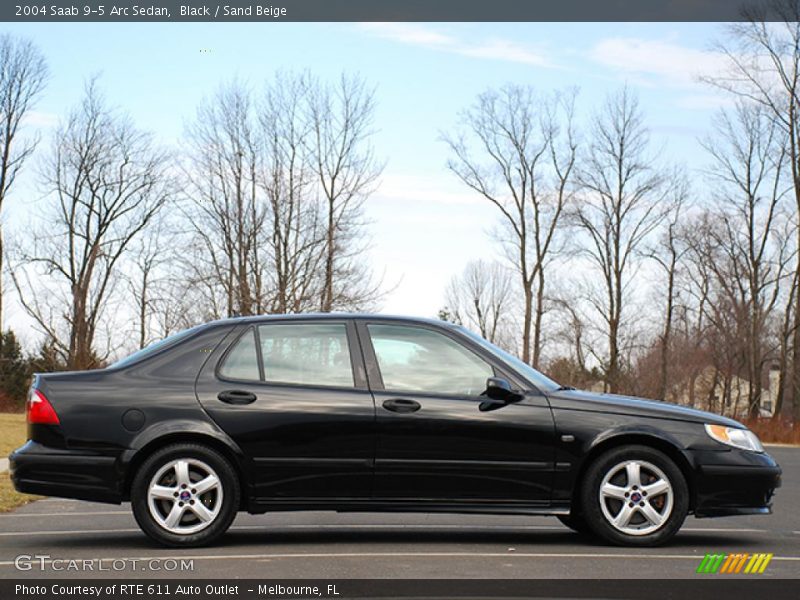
(425, 226)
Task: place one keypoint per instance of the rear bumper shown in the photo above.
(746, 488)
(37, 469)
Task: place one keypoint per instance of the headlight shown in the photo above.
(732, 436)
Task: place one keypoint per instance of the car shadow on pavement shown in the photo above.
(262, 539)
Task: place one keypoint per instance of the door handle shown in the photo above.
(401, 405)
(236, 397)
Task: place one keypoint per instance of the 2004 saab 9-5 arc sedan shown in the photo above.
(373, 413)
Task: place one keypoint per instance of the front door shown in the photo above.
(293, 396)
(434, 442)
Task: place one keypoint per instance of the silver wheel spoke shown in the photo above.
(182, 472)
(609, 490)
(174, 516)
(201, 511)
(656, 488)
(209, 483)
(623, 518)
(163, 492)
(634, 474)
(651, 514)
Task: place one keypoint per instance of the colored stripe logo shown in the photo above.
(735, 563)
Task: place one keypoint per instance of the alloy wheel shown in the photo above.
(185, 496)
(636, 497)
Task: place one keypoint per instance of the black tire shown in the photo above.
(199, 458)
(576, 523)
(667, 509)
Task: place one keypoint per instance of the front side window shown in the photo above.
(307, 353)
(421, 360)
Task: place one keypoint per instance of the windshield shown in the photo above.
(154, 347)
(541, 381)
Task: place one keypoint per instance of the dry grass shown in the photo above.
(11, 498)
(775, 431)
(12, 435)
(13, 432)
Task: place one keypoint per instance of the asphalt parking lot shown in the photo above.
(342, 546)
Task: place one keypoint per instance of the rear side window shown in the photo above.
(242, 361)
(308, 353)
(305, 354)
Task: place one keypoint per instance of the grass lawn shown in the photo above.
(12, 435)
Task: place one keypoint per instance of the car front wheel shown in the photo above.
(185, 495)
(634, 496)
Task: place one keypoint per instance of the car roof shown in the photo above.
(337, 316)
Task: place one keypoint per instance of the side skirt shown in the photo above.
(414, 506)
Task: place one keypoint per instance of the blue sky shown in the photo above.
(425, 226)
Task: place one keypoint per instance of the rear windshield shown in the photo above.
(155, 347)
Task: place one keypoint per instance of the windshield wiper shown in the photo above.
(565, 388)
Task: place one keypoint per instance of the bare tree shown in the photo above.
(763, 66)
(517, 150)
(668, 254)
(107, 181)
(347, 171)
(481, 298)
(23, 73)
(164, 304)
(572, 369)
(224, 206)
(752, 255)
(297, 236)
(276, 193)
(623, 205)
(146, 261)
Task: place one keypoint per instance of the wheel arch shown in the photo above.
(155, 442)
(628, 438)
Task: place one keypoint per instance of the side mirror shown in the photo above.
(499, 392)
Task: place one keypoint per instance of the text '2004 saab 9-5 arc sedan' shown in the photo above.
(373, 413)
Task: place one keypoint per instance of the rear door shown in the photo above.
(293, 395)
(434, 442)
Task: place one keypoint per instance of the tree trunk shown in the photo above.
(526, 325)
(143, 312)
(327, 292)
(612, 374)
(537, 326)
(2, 255)
(665, 338)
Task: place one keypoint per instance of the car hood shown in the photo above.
(629, 405)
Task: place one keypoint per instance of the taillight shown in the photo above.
(39, 410)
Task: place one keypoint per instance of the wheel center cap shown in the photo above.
(636, 497)
(185, 495)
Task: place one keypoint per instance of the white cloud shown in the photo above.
(427, 37)
(505, 50)
(706, 101)
(408, 33)
(410, 188)
(658, 62)
(40, 119)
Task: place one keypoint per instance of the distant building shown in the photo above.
(726, 396)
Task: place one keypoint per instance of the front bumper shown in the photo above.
(735, 482)
(38, 469)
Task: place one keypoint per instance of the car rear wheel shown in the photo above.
(185, 495)
(634, 496)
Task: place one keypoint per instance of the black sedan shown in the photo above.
(373, 413)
